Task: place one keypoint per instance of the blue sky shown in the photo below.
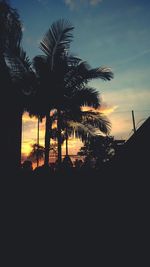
(115, 33)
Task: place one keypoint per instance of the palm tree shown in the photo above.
(83, 125)
(38, 138)
(67, 75)
(50, 70)
(92, 124)
(22, 83)
(37, 153)
(78, 130)
(7, 38)
(76, 91)
(13, 67)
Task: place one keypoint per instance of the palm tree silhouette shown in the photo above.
(91, 124)
(36, 153)
(83, 125)
(37, 149)
(14, 66)
(50, 71)
(68, 77)
(76, 92)
(23, 85)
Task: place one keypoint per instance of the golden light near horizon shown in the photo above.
(29, 136)
(103, 110)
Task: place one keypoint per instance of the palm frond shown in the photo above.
(57, 39)
(18, 63)
(40, 65)
(20, 71)
(22, 55)
(81, 72)
(73, 60)
(80, 130)
(10, 28)
(97, 120)
(104, 73)
(88, 96)
(72, 114)
(88, 73)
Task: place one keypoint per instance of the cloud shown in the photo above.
(30, 40)
(23, 28)
(73, 4)
(127, 99)
(133, 58)
(105, 109)
(42, 1)
(95, 2)
(118, 104)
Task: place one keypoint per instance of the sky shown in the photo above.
(113, 33)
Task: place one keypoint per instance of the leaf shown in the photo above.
(57, 40)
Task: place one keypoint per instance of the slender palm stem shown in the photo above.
(19, 137)
(67, 141)
(47, 139)
(38, 137)
(59, 137)
(15, 138)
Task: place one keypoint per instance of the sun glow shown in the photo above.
(106, 110)
(29, 136)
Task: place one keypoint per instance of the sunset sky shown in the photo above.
(113, 33)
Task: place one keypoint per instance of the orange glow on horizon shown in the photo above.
(29, 135)
(104, 110)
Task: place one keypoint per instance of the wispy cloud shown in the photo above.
(29, 40)
(133, 58)
(44, 2)
(95, 2)
(73, 4)
(105, 109)
(23, 28)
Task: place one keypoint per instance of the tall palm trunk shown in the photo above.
(11, 122)
(20, 137)
(47, 138)
(15, 138)
(11, 141)
(38, 137)
(5, 112)
(67, 141)
(59, 137)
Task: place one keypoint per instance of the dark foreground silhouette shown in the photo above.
(105, 210)
(77, 212)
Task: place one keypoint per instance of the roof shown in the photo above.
(133, 157)
(142, 135)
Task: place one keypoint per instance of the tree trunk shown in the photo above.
(5, 112)
(15, 138)
(11, 142)
(19, 137)
(11, 122)
(38, 137)
(66, 141)
(59, 137)
(47, 138)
